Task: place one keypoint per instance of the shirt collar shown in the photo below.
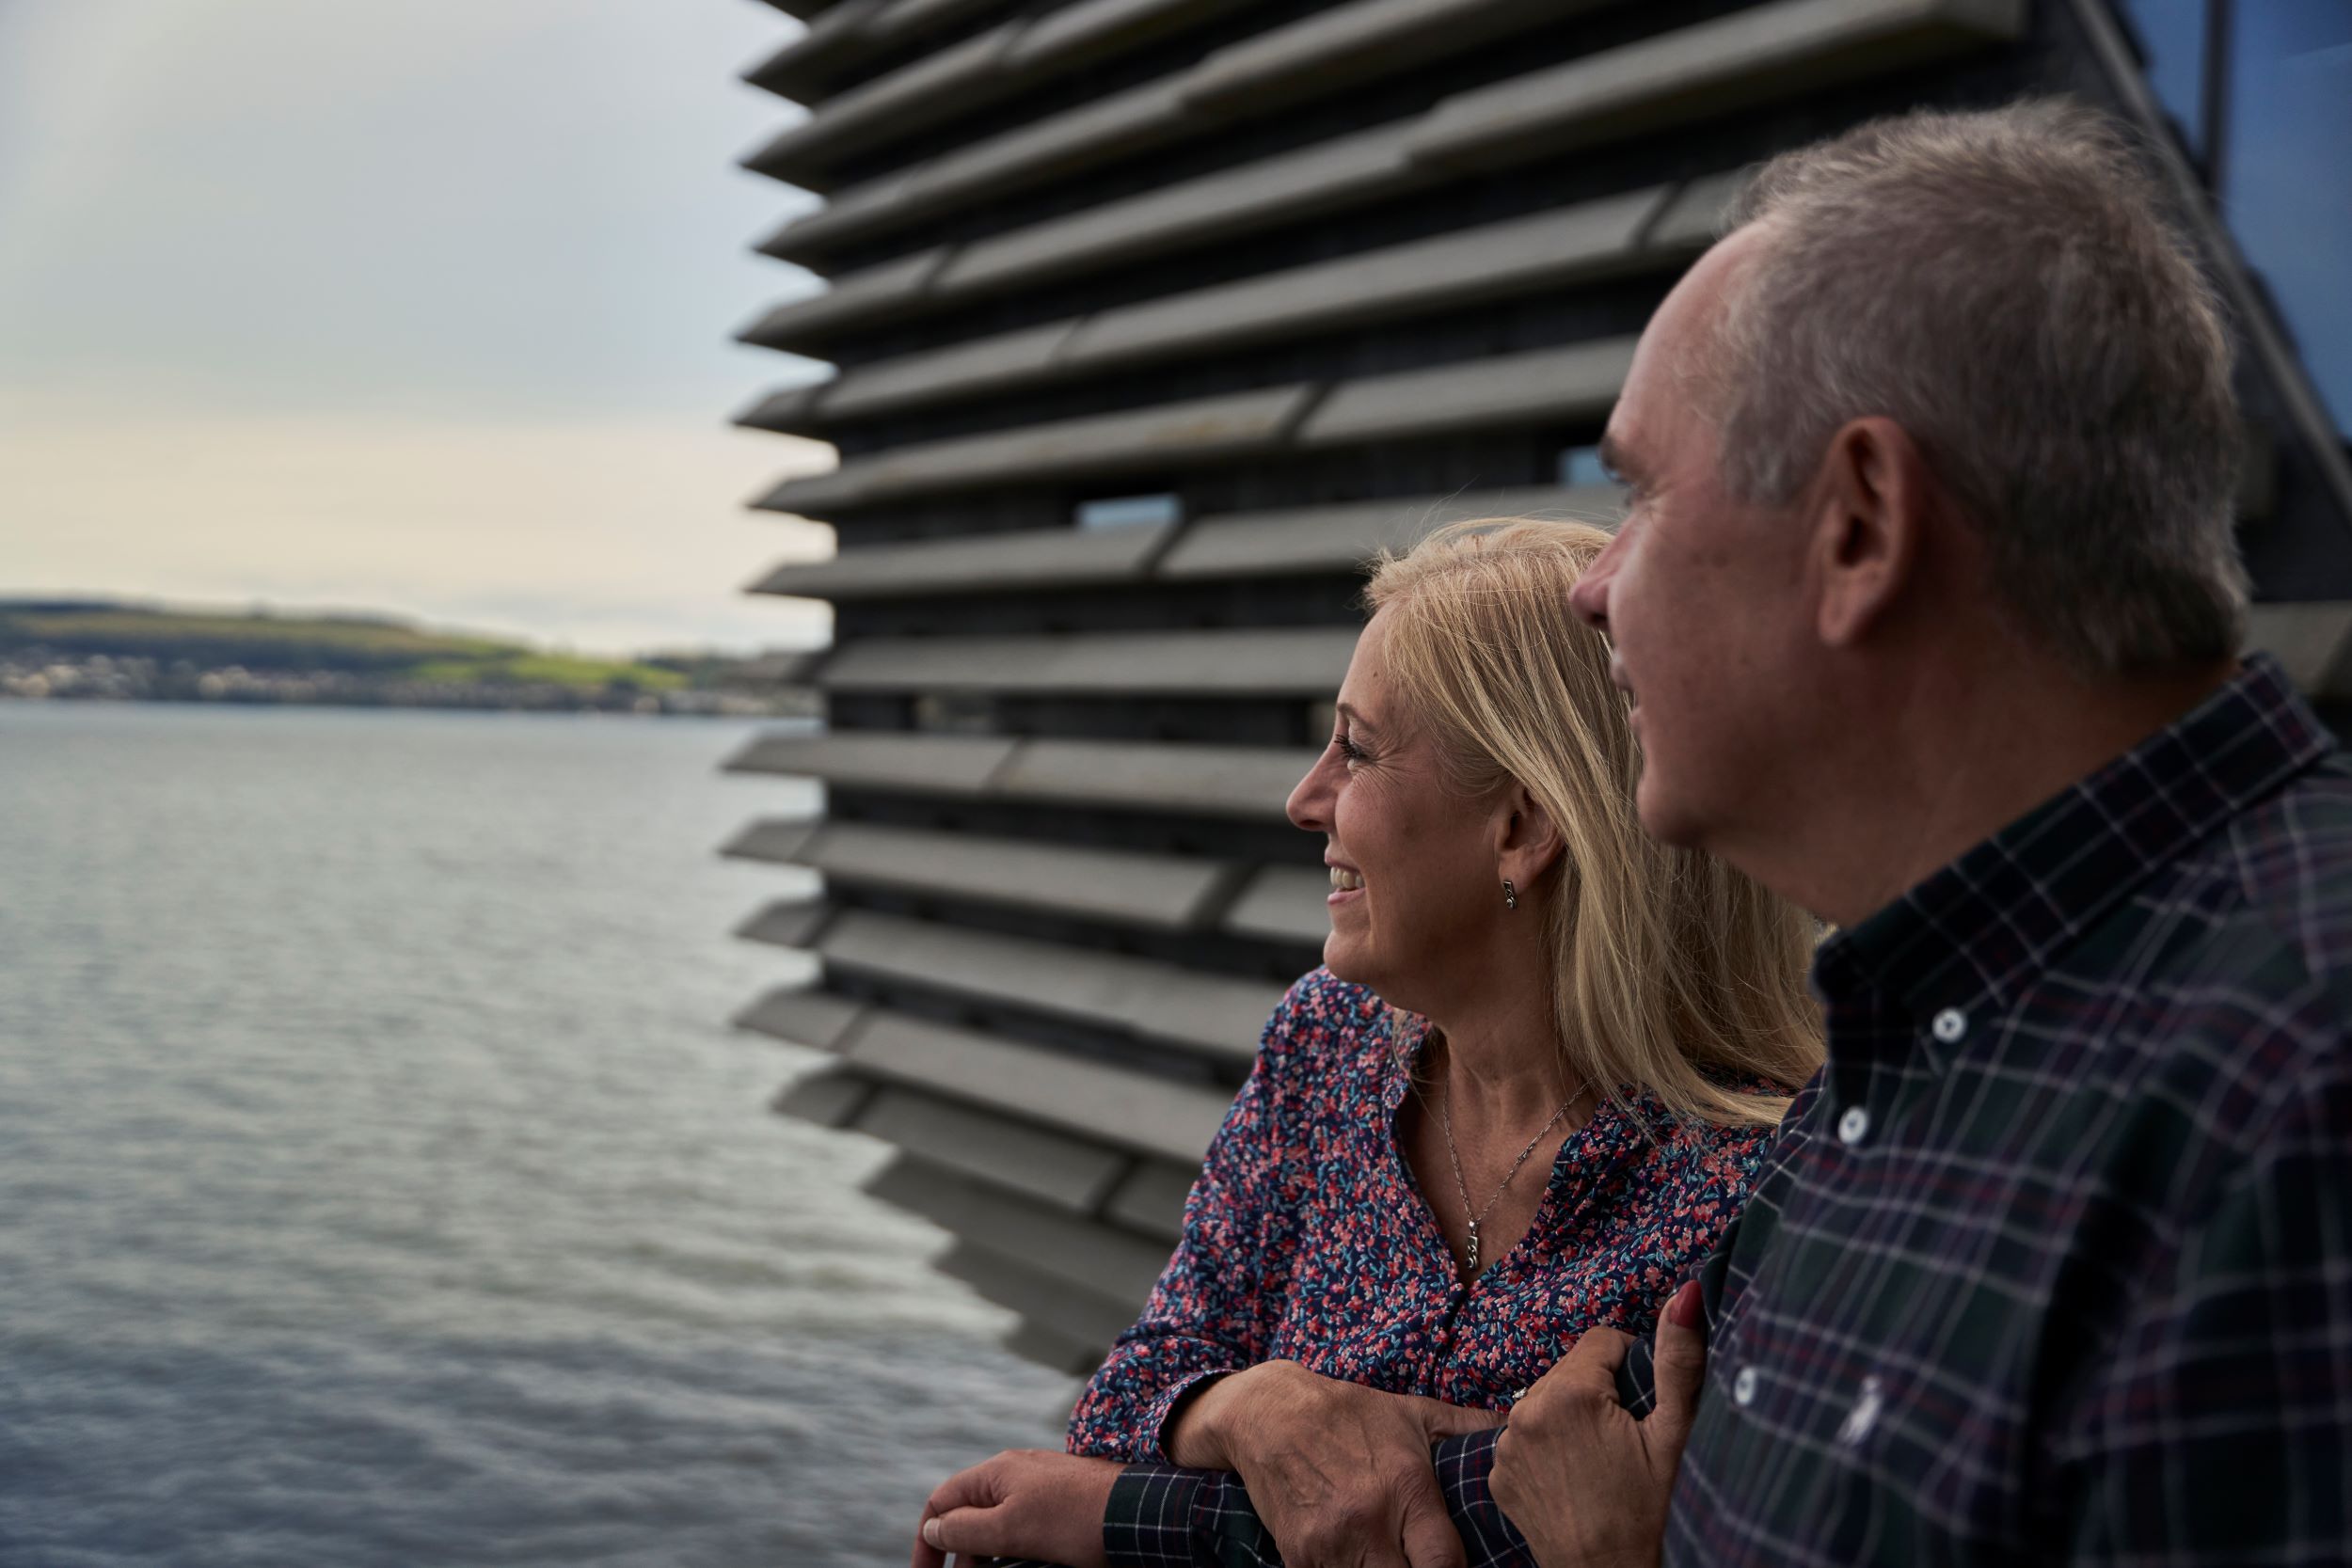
(1978, 931)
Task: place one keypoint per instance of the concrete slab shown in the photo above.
(1052, 1349)
(2311, 640)
(860, 296)
(1131, 1110)
(1285, 903)
(976, 564)
(1058, 1245)
(1219, 1016)
(1069, 1311)
(1065, 1172)
(1006, 359)
(1687, 224)
(1348, 43)
(1762, 53)
(1077, 34)
(1343, 538)
(1576, 245)
(772, 838)
(933, 87)
(803, 1016)
(1151, 1198)
(835, 38)
(830, 1096)
(1118, 125)
(1578, 381)
(1307, 661)
(1334, 173)
(1225, 781)
(1555, 248)
(790, 411)
(1196, 430)
(931, 764)
(787, 921)
(1114, 884)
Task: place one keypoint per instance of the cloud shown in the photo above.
(422, 307)
(519, 207)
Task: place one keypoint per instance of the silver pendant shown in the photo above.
(1474, 1246)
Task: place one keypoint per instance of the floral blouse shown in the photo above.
(1306, 1236)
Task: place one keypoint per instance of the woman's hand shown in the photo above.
(1025, 1502)
(1340, 1473)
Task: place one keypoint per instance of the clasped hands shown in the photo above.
(1341, 1474)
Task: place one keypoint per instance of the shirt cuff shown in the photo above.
(1162, 1406)
(1148, 1521)
(1465, 1467)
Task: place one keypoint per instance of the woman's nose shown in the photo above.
(1310, 805)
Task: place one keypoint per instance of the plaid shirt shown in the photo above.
(2053, 1261)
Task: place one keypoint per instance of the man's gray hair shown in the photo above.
(2004, 286)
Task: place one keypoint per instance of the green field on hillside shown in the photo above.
(352, 645)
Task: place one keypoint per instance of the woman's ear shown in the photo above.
(1527, 841)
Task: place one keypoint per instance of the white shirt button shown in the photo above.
(1743, 1386)
(1853, 1126)
(1865, 1414)
(1949, 1025)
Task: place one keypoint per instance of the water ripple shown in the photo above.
(378, 1187)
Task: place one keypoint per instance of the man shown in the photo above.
(1929, 607)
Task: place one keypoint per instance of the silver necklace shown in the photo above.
(1445, 1121)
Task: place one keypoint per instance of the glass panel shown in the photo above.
(1580, 466)
(1129, 511)
(2286, 186)
(2172, 38)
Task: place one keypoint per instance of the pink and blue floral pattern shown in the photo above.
(1307, 1238)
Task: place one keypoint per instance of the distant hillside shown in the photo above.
(351, 644)
(54, 648)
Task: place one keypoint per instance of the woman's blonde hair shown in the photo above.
(1671, 970)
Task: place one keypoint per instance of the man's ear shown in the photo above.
(1874, 495)
(1526, 840)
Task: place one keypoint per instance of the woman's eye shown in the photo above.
(1352, 752)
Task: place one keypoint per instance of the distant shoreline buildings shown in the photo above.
(101, 678)
(97, 650)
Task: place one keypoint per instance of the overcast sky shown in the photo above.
(421, 308)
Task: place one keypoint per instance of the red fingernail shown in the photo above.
(1687, 1310)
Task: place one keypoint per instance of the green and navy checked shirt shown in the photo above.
(2053, 1261)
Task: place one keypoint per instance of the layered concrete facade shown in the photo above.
(1288, 283)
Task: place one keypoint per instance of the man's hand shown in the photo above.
(1025, 1502)
(1585, 1482)
(1340, 1473)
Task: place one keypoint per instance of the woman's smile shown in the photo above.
(1348, 884)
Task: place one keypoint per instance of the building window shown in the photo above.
(2285, 175)
(2173, 49)
(1130, 510)
(1580, 469)
(2261, 91)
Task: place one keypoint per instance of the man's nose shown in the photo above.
(1589, 598)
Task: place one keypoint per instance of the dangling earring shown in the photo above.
(1510, 894)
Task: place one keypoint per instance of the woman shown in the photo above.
(1516, 978)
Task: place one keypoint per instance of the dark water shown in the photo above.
(380, 1185)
